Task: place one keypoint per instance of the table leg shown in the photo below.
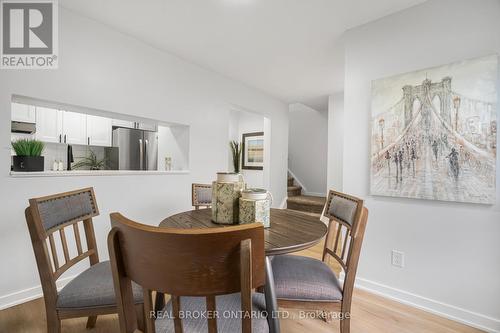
(271, 301)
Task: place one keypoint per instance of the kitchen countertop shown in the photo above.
(73, 173)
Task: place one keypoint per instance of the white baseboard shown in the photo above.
(26, 295)
(441, 309)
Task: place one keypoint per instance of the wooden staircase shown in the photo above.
(293, 190)
(304, 203)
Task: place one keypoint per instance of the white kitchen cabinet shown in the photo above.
(49, 125)
(74, 128)
(135, 125)
(147, 127)
(99, 131)
(123, 123)
(23, 113)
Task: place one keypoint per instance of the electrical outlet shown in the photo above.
(398, 259)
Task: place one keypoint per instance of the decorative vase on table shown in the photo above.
(226, 192)
(255, 206)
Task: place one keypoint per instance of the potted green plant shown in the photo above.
(28, 155)
(236, 151)
(91, 162)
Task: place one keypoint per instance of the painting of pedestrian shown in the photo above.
(434, 133)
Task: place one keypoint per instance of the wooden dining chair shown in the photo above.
(310, 284)
(89, 294)
(201, 196)
(214, 270)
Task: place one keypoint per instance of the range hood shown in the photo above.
(24, 128)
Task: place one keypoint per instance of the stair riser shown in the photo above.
(305, 208)
(290, 182)
(294, 193)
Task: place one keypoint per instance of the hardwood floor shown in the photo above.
(370, 314)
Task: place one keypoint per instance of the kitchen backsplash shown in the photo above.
(58, 152)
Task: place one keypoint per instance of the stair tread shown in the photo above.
(294, 187)
(308, 200)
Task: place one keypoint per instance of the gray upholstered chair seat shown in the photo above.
(305, 279)
(92, 288)
(228, 312)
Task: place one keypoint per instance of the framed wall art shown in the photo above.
(253, 151)
(434, 133)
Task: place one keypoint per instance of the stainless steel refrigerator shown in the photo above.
(133, 149)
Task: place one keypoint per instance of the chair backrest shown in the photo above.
(357, 236)
(346, 229)
(184, 262)
(343, 212)
(201, 195)
(54, 214)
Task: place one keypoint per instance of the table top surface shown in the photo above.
(290, 230)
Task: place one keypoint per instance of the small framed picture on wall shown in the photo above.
(253, 151)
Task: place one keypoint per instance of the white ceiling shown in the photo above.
(290, 49)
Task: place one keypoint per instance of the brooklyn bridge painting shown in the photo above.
(434, 133)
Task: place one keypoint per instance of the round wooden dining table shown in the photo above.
(290, 231)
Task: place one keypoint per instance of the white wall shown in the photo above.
(452, 250)
(308, 147)
(335, 141)
(105, 70)
(242, 122)
(173, 142)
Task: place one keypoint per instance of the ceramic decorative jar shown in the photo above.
(226, 192)
(255, 206)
